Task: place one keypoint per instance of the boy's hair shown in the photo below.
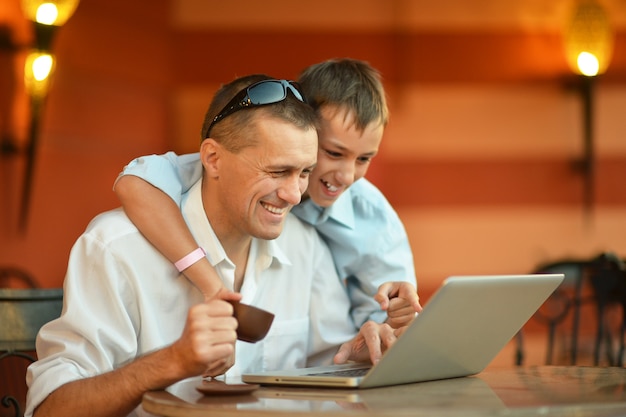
(347, 83)
(235, 131)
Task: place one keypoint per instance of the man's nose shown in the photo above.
(291, 191)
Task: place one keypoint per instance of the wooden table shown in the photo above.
(524, 391)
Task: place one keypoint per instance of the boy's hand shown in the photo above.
(401, 302)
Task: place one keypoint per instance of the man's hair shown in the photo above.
(235, 131)
(349, 84)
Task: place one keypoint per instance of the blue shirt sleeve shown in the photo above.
(171, 173)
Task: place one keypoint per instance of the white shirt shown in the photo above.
(122, 299)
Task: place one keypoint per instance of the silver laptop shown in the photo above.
(461, 329)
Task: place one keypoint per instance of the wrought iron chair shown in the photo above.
(565, 300)
(22, 313)
(608, 281)
(11, 277)
(601, 282)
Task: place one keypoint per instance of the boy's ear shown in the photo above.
(210, 153)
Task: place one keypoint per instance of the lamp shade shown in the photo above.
(588, 39)
(51, 12)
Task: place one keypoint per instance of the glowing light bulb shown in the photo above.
(47, 13)
(42, 65)
(38, 69)
(588, 32)
(588, 64)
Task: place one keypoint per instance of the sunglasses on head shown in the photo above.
(259, 94)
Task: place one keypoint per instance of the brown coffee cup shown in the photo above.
(254, 322)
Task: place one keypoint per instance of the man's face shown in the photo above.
(259, 185)
(344, 154)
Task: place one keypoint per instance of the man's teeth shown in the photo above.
(330, 187)
(274, 209)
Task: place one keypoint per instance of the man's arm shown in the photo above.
(209, 336)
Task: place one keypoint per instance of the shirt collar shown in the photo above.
(341, 211)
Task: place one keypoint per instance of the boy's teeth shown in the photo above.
(331, 188)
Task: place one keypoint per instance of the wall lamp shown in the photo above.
(46, 16)
(588, 47)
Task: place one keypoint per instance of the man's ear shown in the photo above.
(210, 155)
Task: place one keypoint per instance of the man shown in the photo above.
(132, 323)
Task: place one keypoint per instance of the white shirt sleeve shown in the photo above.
(115, 307)
(95, 331)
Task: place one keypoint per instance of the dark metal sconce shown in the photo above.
(586, 164)
(588, 48)
(47, 16)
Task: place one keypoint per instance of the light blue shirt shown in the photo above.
(367, 240)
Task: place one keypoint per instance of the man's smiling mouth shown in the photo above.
(274, 209)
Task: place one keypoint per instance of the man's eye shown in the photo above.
(365, 159)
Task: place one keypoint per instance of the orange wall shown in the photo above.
(109, 103)
(477, 158)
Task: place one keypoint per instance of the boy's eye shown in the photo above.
(333, 153)
(365, 159)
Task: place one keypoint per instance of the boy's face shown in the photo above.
(344, 154)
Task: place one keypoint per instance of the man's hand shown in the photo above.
(220, 367)
(370, 344)
(220, 293)
(401, 301)
(225, 294)
(208, 340)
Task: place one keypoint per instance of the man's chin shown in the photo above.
(268, 234)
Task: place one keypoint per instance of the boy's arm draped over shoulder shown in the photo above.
(143, 188)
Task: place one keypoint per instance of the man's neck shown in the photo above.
(236, 244)
(238, 253)
(237, 250)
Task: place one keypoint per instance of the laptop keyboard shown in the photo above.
(343, 372)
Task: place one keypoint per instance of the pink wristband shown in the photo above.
(190, 259)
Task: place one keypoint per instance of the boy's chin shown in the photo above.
(324, 202)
